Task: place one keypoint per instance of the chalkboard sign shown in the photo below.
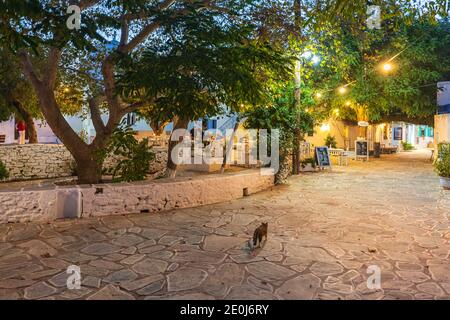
(398, 133)
(322, 157)
(362, 149)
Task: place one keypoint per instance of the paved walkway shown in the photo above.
(325, 230)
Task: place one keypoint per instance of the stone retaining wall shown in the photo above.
(44, 161)
(50, 203)
(37, 161)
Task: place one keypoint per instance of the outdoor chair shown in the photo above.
(2, 138)
(341, 154)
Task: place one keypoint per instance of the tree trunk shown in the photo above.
(157, 127)
(229, 146)
(88, 170)
(298, 89)
(29, 122)
(361, 115)
(171, 170)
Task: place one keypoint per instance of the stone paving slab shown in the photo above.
(325, 230)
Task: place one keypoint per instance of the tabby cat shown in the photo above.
(260, 235)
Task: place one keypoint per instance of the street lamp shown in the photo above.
(387, 67)
(315, 59)
(342, 90)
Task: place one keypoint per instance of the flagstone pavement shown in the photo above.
(325, 230)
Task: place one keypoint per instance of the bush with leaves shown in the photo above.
(330, 141)
(281, 114)
(307, 161)
(407, 146)
(442, 163)
(4, 174)
(133, 157)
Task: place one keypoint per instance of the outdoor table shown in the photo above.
(341, 154)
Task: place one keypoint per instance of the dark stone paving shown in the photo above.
(325, 230)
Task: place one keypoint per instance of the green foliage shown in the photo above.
(407, 146)
(352, 54)
(330, 141)
(134, 157)
(210, 63)
(4, 174)
(307, 161)
(442, 163)
(281, 114)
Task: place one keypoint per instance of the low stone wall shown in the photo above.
(45, 161)
(50, 203)
(37, 161)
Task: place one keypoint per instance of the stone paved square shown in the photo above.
(325, 230)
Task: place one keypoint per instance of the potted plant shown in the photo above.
(442, 164)
(308, 164)
(407, 146)
(330, 141)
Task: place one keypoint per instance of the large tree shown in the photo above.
(40, 26)
(209, 63)
(388, 73)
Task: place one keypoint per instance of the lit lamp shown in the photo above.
(318, 95)
(348, 103)
(325, 127)
(315, 59)
(387, 67)
(342, 90)
(336, 112)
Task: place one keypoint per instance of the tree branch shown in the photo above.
(28, 69)
(134, 106)
(124, 33)
(146, 31)
(96, 116)
(51, 68)
(84, 4)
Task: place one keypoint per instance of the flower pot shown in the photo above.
(445, 183)
(307, 168)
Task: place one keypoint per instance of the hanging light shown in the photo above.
(315, 59)
(342, 90)
(325, 127)
(387, 67)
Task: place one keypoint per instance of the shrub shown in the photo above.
(330, 141)
(305, 162)
(4, 174)
(407, 146)
(134, 157)
(442, 163)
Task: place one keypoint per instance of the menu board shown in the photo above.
(398, 133)
(322, 157)
(362, 149)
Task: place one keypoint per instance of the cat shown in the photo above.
(260, 235)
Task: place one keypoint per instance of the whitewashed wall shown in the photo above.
(50, 203)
